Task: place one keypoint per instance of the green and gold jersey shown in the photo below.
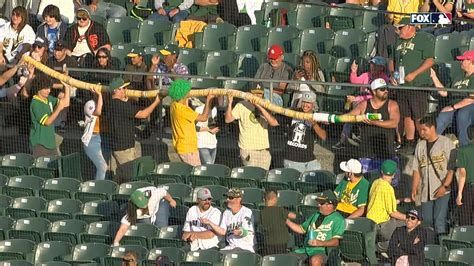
(352, 195)
(40, 110)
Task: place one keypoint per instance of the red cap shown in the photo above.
(275, 51)
(469, 55)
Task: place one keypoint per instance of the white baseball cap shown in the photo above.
(351, 166)
(377, 84)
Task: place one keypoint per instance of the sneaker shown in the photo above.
(354, 142)
(338, 146)
(356, 137)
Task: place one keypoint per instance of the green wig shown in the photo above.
(178, 89)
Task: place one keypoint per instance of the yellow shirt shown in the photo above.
(382, 201)
(253, 131)
(183, 128)
(400, 7)
(345, 204)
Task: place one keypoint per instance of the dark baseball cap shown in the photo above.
(59, 45)
(327, 196)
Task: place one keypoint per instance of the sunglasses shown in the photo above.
(231, 198)
(83, 19)
(208, 199)
(411, 217)
(102, 56)
(383, 89)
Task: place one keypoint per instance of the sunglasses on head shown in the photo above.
(83, 19)
(411, 217)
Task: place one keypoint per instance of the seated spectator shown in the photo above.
(105, 9)
(174, 11)
(460, 103)
(52, 29)
(12, 91)
(67, 11)
(169, 65)
(236, 223)
(130, 259)
(146, 205)
(352, 192)
(238, 13)
(273, 223)
(138, 65)
(16, 37)
(39, 50)
(61, 61)
(407, 243)
(201, 236)
(309, 69)
(445, 6)
(301, 136)
(205, 13)
(322, 230)
(275, 68)
(465, 11)
(382, 206)
(103, 62)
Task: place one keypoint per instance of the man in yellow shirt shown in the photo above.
(353, 190)
(382, 207)
(183, 122)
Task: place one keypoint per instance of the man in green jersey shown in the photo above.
(353, 190)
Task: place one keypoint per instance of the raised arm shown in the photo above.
(145, 113)
(205, 113)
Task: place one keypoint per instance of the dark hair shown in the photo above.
(21, 11)
(41, 81)
(131, 213)
(315, 65)
(428, 120)
(52, 11)
(105, 51)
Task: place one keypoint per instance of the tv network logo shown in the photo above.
(431, 18)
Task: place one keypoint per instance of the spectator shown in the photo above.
(353, 191)
(146, 205)
(130, 259)
(42, 135)
(236, 223)
(464, 11)
(238, 13)
(201, 236)
(183, 120)
(121, 116)
(408, 242)
(67, 11)
(378, 136)
(465, 175)
(276, 69)
(273, 219)
(16, 37)
(308, 70)
(61, 61)
(460, 103)
(322, 230)
(5, 77)
(205, 13)
(301, 136)
(382, 207)
(174, 11)
(103, 62)
(206, 132)
(253, 130)
(169, 65)
(52, 29)
(433, 170)
(444, 6)
(137, 81)
(39, 50)
(105, 9)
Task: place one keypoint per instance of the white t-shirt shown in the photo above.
(192, 224)
(82, 47)
(205, 139)
(156, 194)
(12, 40)
(242, 219)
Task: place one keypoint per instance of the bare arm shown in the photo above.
(437, 83)
(447, 8)
(228, 113)
(205, 113)
(398, 215)
(295, 227)
(198, 235)
(461, 182)
(464, 102)
(216, 228)
(426, 65)
(269, 117)
(394, 117)
(333, 242)
(170, 200)
(120, 233)
(291, 215)
(358, 213)
(58, 108)
(322, 134)
(7, 75)
(99, 104)
(414, 183)
(145, 113)
(359, 109)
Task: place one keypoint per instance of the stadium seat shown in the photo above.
(448, 46)
(289, 199)
(6, 223)
(245, 176)
(194, 59)
(327, 63)
(174, 168)
(342, 70)
(66, 230)
(206, 82)
(209, 256)
(5, 201)
(123, 30)
(143, 165)
(280, 260)
(139, 233)
(169, 236)
(61, 209)
(175, 255)
(23, 186)
(161, 179)
(99, 210)
(433, 254)
(252, 197)
(221, 63)
(126, 189)
(348, 16)
(309, 206)
(178, 215)
(351, 43)
(99, 19)
(70, 166)
(333, 101)
(16, 164)
(100, 232)
(460, 237)
(309, 16)
(96, 190)
(51, 251)
(288, 37)
(154, 32)
(319, 40)
(59, 188)
(3, 180)
(248, 63)
(29, 228)
(45, 167)
(203, 180)
(315, 181)
(280, 179)
(179, 191)
(273, 6)
(89, 253)
(120, 51)
(218, 170)
(251, 38)
(448, 71)
(462, 256)
(358, 243)
(240, 85)
(17, 249)
(372, 19)
(237, 258)
(216, 37)
(117, 253)
(26, 207)
(292, 59)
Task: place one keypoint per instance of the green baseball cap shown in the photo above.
(117, 83)
(139, 199)
(327, 196)
(389, 167)
(169, 49)
(404, 22)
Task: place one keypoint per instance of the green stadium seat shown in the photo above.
(309, 206)
(154, 32)
(333, 101)
(26, 207)
(62, 263)
(206, 82)
(248, 63)
(448, 71)
(289, 199)
(448, 46)
(194, 59)
(126, 189)
(288, 37)
(327, 63)
(59, 188)
(342, 69)
(309, 16)
(15, 263)
(175, 255)
(433, 254)
(240, 85)
(45, 167)
(17, 249)
(252, 196)
(120, 251)
(460, 237)
(319, 40)
(351, 43)
(203, 180)
(99, 19)
(245, 176)
(29, 228)
(251, 38)
(123, 30)
(179, 191)
(139, 233)
(66, 231)
(89, 252)
(99, 210)
(280, 179)
(315, 181)
(169, 236)
(16, 164)
(358, 243)
(100, 232)
(96, 190)
(120, 51)
(143, 166)
(5, 201)
(209, 256)
(237, 258)
(218, 170)
(462, 256)
(221, 63)
(3, 180)
(280, 260)
(345, 18)
(273, 6)
(216, 37)
(61, 209)
(174, 168)
(372, 19)
(23, 186)
(70, 166)
(6, 223)
(161, 179)
(178, 215)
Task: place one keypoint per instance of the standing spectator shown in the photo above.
(103, 62)
(273, 224)
(16, 37)
(183, 120)
(353, 191)
(308, 70)
(200, 235)
(105, 9)
(206, 132)
(146, 205)
(465, 175)
(433, 170)
(460, 103)
(382, 207)
(169, 65)
(175, 10)
(67, 10)
(301, 136)
(137, 81)
(253, 130)
(121, 116)
(52, 29)
(322, 230)
(236, 223)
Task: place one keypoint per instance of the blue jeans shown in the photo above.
(94, 152)
(276, 98)
(464, 118)
(435, 213)
(302, 167)
(161, 217)
(182, 15)
(208, 156)
(109, 10)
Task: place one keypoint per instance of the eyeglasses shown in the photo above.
(208, 199)
(83, 19)
(411, 217)
(102, 56)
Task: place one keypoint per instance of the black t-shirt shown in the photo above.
(121, 118)
(58, 66)
(300, 141)
(273, 224)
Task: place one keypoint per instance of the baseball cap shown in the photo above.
(234, 192)
(40, 42)
(415, 213)
(117, 83)
(83, 13)
(404, 22)
(469, 55)
(139, 199)
(377, 84)
(59, 45)
(204, 193)
(351, 166)
(389, 167)
(169, 49)
(136, 52)
(257, 91)
(275, 51)
(326, 196)
(308, 96)
(378, 60)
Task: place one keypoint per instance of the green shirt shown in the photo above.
(353, 196)
(40, 110)
(465, 160)
(461, 83)
(203, 11)
(469, 7)
(331, 227)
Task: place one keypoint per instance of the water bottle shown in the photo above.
(311, 234)
(396, 76)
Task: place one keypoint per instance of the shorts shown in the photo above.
(412, 103)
